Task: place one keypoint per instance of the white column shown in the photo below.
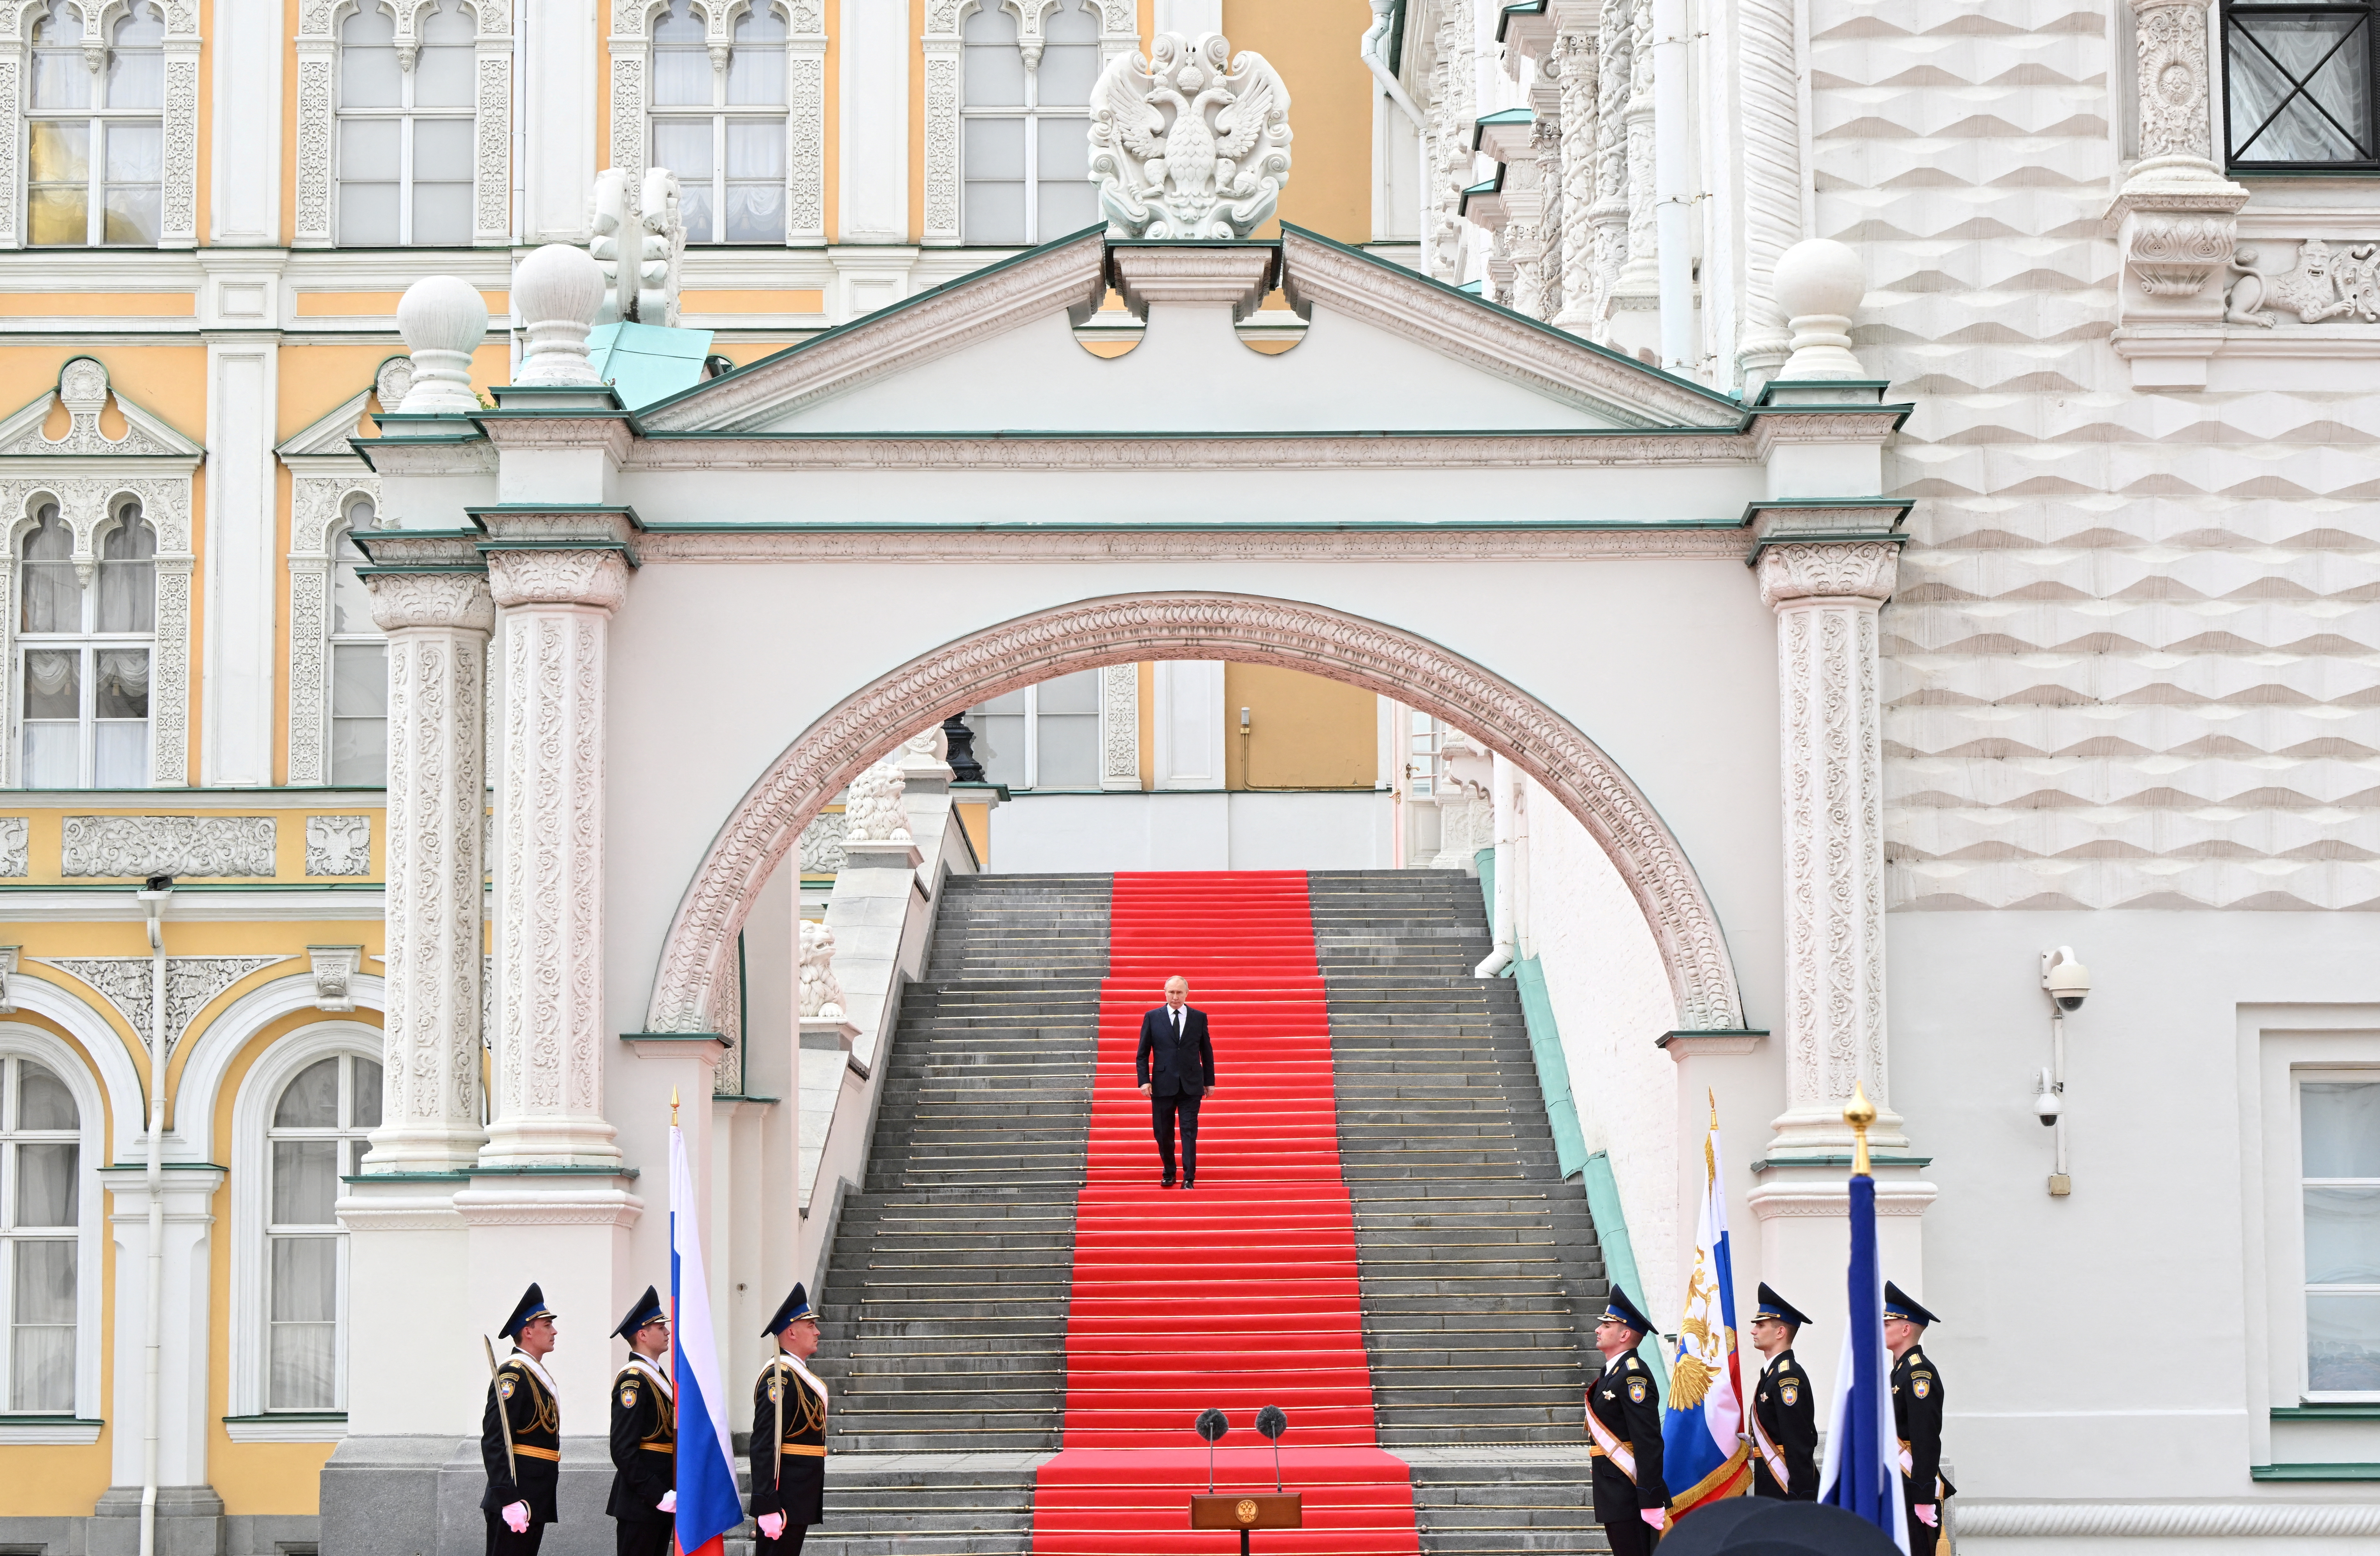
(182, 1395)
(558, 121)
(245, 192)
(1769, 113)
(437, 625)
(1827, 596)
(551, 1043)
(873, 178)
(243, 567)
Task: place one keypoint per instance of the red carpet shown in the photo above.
(1238, 1294)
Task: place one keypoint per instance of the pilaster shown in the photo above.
(1575, 47)
(182, 1387)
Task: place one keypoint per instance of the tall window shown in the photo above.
(1025, 154)
(317, 1136)
(404, 136)
(1043, 738)
(2299, 84)
(2341, 1120)
(358, 664)
(96, 137)
(40, 1213)
(721, 130)
(84, 654)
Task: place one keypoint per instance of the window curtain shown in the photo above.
(41, 1326)
(2269, 55)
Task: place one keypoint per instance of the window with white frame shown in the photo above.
(95, 131)
(317, 1134)
(41, 1251)
(405, 132)
(722, 128)
(1025, 152)
(2339, 1120)
(1043, 738)
(359, 664)
(84, 654)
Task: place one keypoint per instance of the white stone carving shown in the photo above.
(821, 845)
(1190, 142)
(557, 291)
(610, 236)
(874, 813)
(2325, 283)
(943, 49)
(551, 1042)
(182, 846)
(191, 983)
(1575, 47)
(334, 970)
(770, 818)
(1818, 285)
(923, 771)
(443, 318)
(822, 991)
(14, 862)
(1768, 113)
(338, 844)
(1453, 93)
(437, 625)
(8, 955)
(83, 390)
(1120, 727)
(392, 381)
(638, 248)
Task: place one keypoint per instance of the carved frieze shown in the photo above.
(2325, 283)
(190, 984)
(14, 860)
(182, 846)
(822, 847)
(338, 844)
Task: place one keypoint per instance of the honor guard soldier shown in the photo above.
(1784, 1413)
(789, 1434)
(1623, 1416)
(520, 1434)
(644, 1433)
(1917, 1416)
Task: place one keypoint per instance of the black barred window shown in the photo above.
(2298, 85)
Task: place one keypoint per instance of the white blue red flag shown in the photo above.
(1704, 1456)
(1863, 1472)
(707, 1504)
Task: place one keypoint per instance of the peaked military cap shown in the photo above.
(1898, 1304)
(646, 1309)
(1775, 1306)
(533, 1307)
(796, 1306)
(1616, 1305)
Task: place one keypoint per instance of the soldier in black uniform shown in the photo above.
(1784, 1411)
(644, 1433)
(1623, 1416)
(1917, 1416)
(524, 1470)
(789, 1434)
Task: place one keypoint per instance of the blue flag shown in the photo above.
(1863, 1473)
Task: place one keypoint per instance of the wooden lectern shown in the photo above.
(1247, 1510)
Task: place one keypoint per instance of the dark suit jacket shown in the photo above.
(1168, 1068)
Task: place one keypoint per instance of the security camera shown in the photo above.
(2068, 980)
(2047, 1103)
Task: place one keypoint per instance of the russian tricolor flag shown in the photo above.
(707, 1504)
(1703, 1454)
(1863, 1470)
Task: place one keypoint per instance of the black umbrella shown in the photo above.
(1759, 1527)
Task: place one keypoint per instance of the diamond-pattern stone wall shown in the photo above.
(2134, 659)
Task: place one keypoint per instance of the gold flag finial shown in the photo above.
(674, 1109)
(1714, 1105)
(1859, 1112)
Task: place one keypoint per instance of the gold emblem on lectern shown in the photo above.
(1247, 1510)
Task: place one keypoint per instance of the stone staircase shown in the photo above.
(1478, 1263)
(945, 1298)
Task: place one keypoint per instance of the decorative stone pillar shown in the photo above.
(1631, 309)
(1768, 112)
(437, 625)
(549, 1052)
(1120, 727)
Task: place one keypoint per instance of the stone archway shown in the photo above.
(768, 821)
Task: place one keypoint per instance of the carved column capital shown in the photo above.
(596, 579)
(454, 600)
(1828, 572)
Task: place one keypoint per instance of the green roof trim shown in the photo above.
(2314, 1472)
(1518, 8)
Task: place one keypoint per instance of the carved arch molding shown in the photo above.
(698, 959)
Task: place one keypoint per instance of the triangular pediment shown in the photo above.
(331, 436)
(1004, 350)
(83, 386)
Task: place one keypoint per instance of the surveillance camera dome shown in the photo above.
(2068, 980)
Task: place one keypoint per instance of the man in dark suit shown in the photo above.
(1176, 1066)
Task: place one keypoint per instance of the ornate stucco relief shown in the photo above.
(15, 860)
(338, 844)
(190, 984)
(182, 846)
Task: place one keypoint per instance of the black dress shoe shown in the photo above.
(1189, 1182)
(1168, 1182)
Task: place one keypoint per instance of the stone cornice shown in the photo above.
(1142, 452)
(1251, 543)
(449, 550)
(550, 430)
(466, 454)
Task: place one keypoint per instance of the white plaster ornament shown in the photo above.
(873, 812)
(1819, 283)
(821, 990)
(443, 318)
(1188, 140)
(557, 292)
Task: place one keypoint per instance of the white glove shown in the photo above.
(517, 1519)
(772, 1524)
(1925, 1514)
(1657, 1516)
(669, 1502)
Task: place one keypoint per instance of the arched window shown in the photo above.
(41, 1218)
(95, 133)
(85, 654)
(405, 135)
(1025, 155)
(723, 130)
(359, 664)
(316, 1136)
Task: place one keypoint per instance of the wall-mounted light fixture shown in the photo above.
(2068, 984)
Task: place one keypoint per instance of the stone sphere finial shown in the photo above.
(443, 318)
(557, 292)
(1818, 284)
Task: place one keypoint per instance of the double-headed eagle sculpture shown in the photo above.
(1189, 141)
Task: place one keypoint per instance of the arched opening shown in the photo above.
(698, 956)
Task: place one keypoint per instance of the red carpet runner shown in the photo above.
(1239, 1293)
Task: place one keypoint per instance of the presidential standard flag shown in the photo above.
(1863, 1472)
(1703, 1454)
(707, 1504)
